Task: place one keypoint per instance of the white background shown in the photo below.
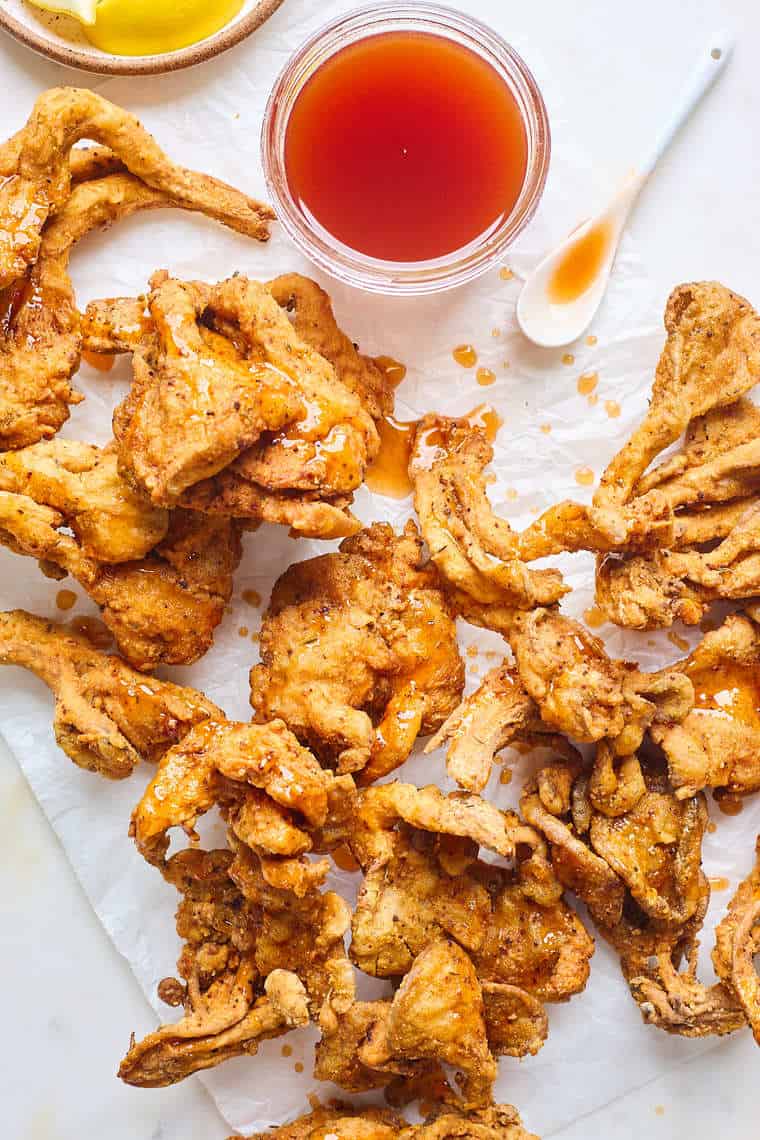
(68, 998)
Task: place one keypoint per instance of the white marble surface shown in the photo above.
(69, 999)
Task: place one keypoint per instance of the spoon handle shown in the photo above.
(711, 63)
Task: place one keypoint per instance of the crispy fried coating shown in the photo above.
(737, 942)
(35, 166)
(498, 1122)
(498, 714)
(229, 1006)
(359, 652)
(110, 522)
(194, 407)
(107, 717)
(438, 1014)
(640, 874)
(161, 609)
(475, 551)
(710, 359)
(718, 744)
(411, 899)
(313, 319)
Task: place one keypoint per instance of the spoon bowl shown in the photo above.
(560, 297)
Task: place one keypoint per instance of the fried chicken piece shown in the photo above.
(498, 1122)
(80, 481)
(475, 551)
(737, 942)
(216, 763)
(718, 744)
(498, 714)
(229, 1007)
(36, 172)
(410, 899)
(194, 407)
(711, 358)
(313, 319)
(107, 717)
(161, 609)
(359, 652)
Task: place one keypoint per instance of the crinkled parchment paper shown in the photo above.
(597, 1047)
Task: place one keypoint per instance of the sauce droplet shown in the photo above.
(496, 333)
(102, 361)
(728, 803)
(394, 370)
(679, 642)
(65, 599)
(506, 273)
(580, 266)
(591, 340)
(485, 376)
(252, 597)
(505, 776)
(546, 428)
(568, 358)
(659, 1109)
(612, 408)
(510, 494)
(243, 631)
(593, 399)
(388, 474)
(584, 476)
(712, 827)
(465, 355)
(472, 650)
(287, 1050)
(719, 883)
(487, 419)
(94, 630)
(594, 617)
(343, 857)
(587, 381)
(298, 1067)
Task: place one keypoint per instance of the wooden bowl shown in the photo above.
(61, 38)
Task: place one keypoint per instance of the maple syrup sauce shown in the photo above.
(578, 269)
(406, 146)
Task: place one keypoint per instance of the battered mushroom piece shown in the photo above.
(230, 1007)
(498, 1122)
(196, 406)
(107, 717)
(161, 609)
(498, 714)
(718, 744)
(41, 336)
(35, 167)
(737, 942)
(219, 762)
(711, 358)
(314, 321)
(584, 693)
(411, 899)
(437, 1014)
(651, 592)
(475, 551)
(359, 652)
(110, 522)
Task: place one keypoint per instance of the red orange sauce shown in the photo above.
(424, 152)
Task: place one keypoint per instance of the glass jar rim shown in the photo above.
(349, 265)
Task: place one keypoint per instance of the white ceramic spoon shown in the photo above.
(551, 310)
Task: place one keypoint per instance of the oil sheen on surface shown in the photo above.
(406, 146)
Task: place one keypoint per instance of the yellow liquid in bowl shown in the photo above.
(154, 27)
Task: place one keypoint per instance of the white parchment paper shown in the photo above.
(597, 1048)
